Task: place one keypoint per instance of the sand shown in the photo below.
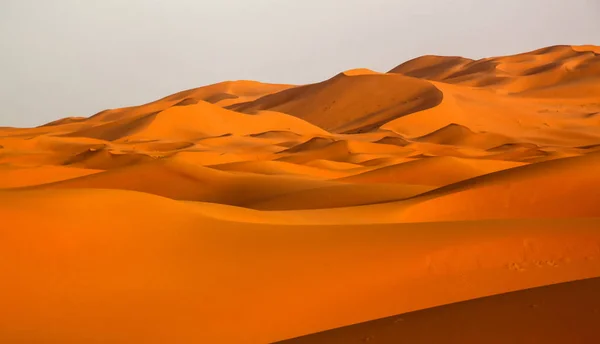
(562, 313)
(448, 198)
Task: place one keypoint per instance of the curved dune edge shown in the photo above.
(561, 313)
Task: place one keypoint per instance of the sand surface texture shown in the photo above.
(455, 200)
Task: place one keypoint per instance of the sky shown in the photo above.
(61, 58)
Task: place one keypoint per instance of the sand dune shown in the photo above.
(533, 191)
(449, 170)
(245, 212)
(351, 102)
(339, 150)
(432, 67)
(542, 68)
(193, 122)
(178, 179)
(280, 168)
(341, 196)
(13, 177)
(226, 93)
(133, 267)
(104, 159)
(152, 256)
(562, 313)
(458, 135)
(217, 93)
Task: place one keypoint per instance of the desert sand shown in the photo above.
(562, 313)
(455, 200)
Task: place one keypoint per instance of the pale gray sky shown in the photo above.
(63, 58)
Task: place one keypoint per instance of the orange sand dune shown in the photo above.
(432, 67)
(280, 168)
(341, 196)
(119, 266)
(561, 313)
(457, 135)
(339, 150)
(488, 118)
(244, 212)
(12, 177)
(449, 170)
(177, 179)
(226, 93)
(193, 122)
(218, 93)
(351, 102)
(542, 68)
(534, 191)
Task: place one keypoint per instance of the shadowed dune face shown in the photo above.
(541, 314)
(432, 67)
(351, 102)
(284, 210)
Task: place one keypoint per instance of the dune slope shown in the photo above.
(351, 102)
(120, 266)
(562, 313)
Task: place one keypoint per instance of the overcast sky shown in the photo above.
(62, 58)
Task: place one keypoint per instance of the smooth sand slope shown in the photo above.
(244, 212)
(562, 313)
(119, 266)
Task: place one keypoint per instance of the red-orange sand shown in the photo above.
(562, 313)
(245, 212)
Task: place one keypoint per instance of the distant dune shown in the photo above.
(449, 200)
(353, 101)
(542, 68)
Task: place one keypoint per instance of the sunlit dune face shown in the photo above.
(244, 212)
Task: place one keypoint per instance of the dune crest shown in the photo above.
(539, 69)
(359, 71)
